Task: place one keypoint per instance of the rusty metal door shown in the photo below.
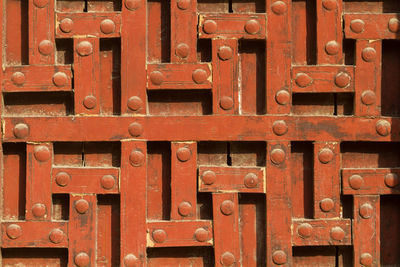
(200, 133)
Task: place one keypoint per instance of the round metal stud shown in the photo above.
(332, 48)
(282, 97)
(182, 50)
(183, 154)
(84, 48)
(136, 158)
(60, 79)
(135, 103)
(226, 103)
(131, 260)
(252, 26)
(62, 178)
(40, 3)
(279, 257)
(21, 130)
(81, 206)
(278, 156)
(279, 127)
(18, 78)
(135, 129)
(156, 77)
(41, 153)
(325, 155)
(305, 230)
(14, 231)
(225, 52)
(66, 25)
(56, 236)
(356, 181)
(209, 26)
(366, 259)
(279, 7)
(357, 25)
(39, 210)
(201, 234)
(185, 209)
(90, 102)
(368, 97)
(394, 25)
(107, 26)
(183, 4)
(46, 47)
(208, 177)
(199, 76)
(383, 128)
(227, 259)
(366, 211)
(227, 207)
(342, 80)
(251, 180)
(368, 54)
(159, 235)
(132, 4)
(82, 259)
(303, 80)
(327, 204)
(107, 181)
(329, 4)
(392, 180)
(337, 233)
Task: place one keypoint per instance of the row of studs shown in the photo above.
(59, 78)
(160, 235)
(366, 211)
(251, 26)
(107, 26)
(391, 180)
(341, 80)
(107, 181)
(358, 25)
(250, 180)
(199, 76)
(14, 231)
(305, 231)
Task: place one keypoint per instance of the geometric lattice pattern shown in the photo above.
(200, 133)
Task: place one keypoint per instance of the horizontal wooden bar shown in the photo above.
(179, 76)
(371, 26)
(37, 78)
(34, 234)
(321, 232)
(102, 24)
(209, 128)
(322, 79)
(381, 181)
(179, 233)
(85, 180)
(247, 26)
(231, 179)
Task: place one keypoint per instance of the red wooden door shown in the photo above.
(200, 133)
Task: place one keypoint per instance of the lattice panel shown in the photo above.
(200, 133)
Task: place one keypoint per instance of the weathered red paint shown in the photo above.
(200, 133)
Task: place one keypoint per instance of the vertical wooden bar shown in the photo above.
(225, 76)
(326, 180)
(183, 39)
(86, 75)
(279, 213)
(183, 180)
(133, 57)
(367, 78)
(38, 181)
(279, 56)
(133, 202)
(82, 230)
(366, 231)
(226, 229)
(329, 32)
(41, 32)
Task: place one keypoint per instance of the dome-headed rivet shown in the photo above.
(81, 206)
(278, 156)
(227, 207)
(356, 181)
(159, 235)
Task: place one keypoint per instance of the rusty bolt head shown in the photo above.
(41, 153)
(21, 130)
(305, 230)
(159, 235)
(337, 233)
(368, 54)
(279, 127)
(46, 47)
(282, 97)
(252, 26)
(62, 178)
(18, 78)
(278, 156)
(60, 79)
(303, 80)
(227, 207)
(326, 204)
(356, 181)
(131, 260)
(14, 231)
(201, 234)
(394, 25)
(66, 25)
(366, 259)
(182, 50)
(136, 158)
(357, 25)
(107, 26)
(107, 182)
(90, 102)
(132, 4)
(325, 155)
(251, 180)
(332, 48)
(342, 80)
(226, 103)
(208, 177)
(392, 180)
(81, 206)
(135, 103)
(225, 52)
(329, 4)
(183, 4)
(279, 257)
(56, 236)
(39, 210)
(82, 259)
(84, 48)
(185, 209)
(279, 7)
(383, 128)
(135, 129)
(156, 77)
(366, 210)
(209, 26)
(199, 76)
(183, 154)
(40, 3)
(368, 97)
(227, 259)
